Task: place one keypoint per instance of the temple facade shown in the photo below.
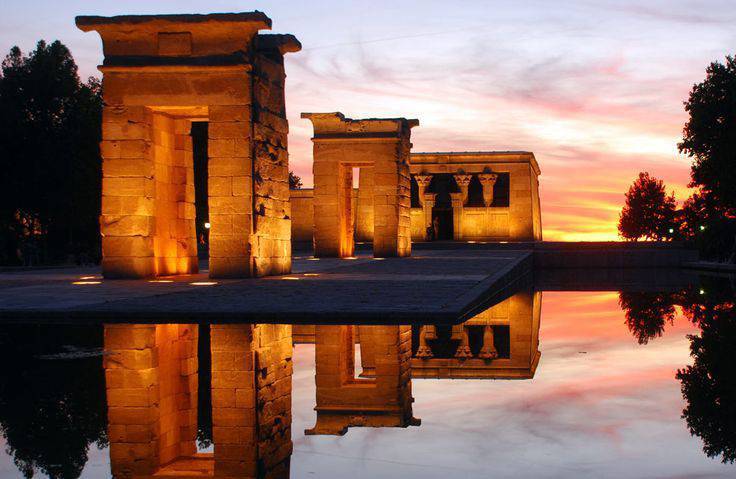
(455, 196)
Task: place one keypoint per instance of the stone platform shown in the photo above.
(437, 286)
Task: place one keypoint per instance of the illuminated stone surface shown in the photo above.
(517, 219)
(160, 73)
(344, 400)
(382, 145)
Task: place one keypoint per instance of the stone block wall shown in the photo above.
(147, 220)
(230, 189)
(272, 212)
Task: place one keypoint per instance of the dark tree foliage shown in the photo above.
(295, 182)
(709, 385)
(709, 136)
(706, 224)
(49, 155)
(52, 397)
(648, 213)
(647, 313)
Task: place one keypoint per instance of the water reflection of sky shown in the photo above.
(600, 405)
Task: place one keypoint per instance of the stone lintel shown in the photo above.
(182, 67)
(420, 160)
(206, 38)
(94, 22)
(335, 126)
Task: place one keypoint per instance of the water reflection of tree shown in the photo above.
(52, 397)
(709, 384)
(647, 313)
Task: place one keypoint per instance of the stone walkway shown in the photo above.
(439, 286)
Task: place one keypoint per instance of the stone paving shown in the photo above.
(442, 286)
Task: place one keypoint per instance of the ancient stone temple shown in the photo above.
(151, 374)
(455, 196)
(344, 400)
(380, 146)
(160, 74)
(476, 196)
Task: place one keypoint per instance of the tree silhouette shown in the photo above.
(52, 397)
(647, 313)
(709, 136)
(49, 156)
(648, 213)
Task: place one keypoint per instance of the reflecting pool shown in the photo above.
(541, 384)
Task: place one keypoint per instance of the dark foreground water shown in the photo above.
(626, 385)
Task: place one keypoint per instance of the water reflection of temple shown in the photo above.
(152, 382)
(502, 342)
(152, 376)
(345, 400)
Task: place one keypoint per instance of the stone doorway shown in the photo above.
(446, 230)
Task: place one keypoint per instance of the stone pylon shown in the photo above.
(381, 148)
(160, 74)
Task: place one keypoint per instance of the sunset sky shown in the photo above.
(593, 88)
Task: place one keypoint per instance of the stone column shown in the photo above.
(424, 351)
(463, 349)
(457, 215)
(463, 181)
(423, 182)
(427, 205)
(487, 180)
(488, 350)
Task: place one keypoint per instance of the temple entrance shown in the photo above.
(445, 231)
(443, 185)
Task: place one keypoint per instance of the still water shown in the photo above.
(553, 384)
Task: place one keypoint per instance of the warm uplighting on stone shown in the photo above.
(161, 73)
(380, 148)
